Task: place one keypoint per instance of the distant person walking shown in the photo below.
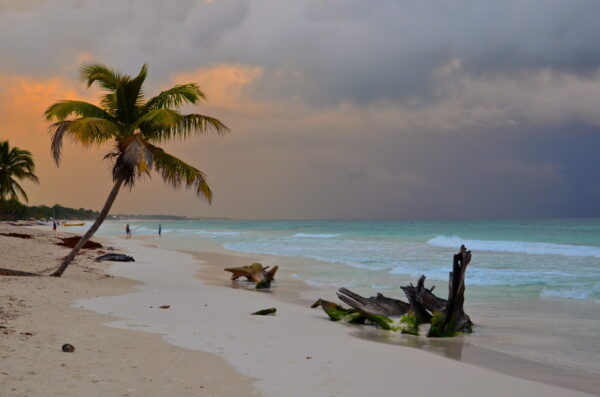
(53, 226)
(128, 231)
(159, 230)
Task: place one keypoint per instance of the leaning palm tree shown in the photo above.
(15, 164)
(133, 126)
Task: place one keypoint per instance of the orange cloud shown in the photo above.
(226, 86)
(22, 104)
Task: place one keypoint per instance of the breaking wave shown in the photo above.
(526, 247)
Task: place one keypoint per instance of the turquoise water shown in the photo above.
(552, 258)
(533, 286)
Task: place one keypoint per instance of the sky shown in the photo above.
(337, 108)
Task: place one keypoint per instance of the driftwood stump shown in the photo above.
(453, 318)
(447, 316)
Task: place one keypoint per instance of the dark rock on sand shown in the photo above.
(68, 348)
(115, 258)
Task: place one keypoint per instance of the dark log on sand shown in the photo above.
(17, 235)
(255, 272)
(9, 272)
(265, 312)
(115, 258)
(379, 305)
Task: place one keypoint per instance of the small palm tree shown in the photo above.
(15, 164)
(133, 125)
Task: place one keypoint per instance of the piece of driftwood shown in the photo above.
(416, 307)
(354, 316)
(379, 305)
(447, 316)
(265, 312)
(115, 258)
(255, 272)
(10, 272)
(453, 318)
(17, 235)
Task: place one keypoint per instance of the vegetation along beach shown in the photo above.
(301, 198)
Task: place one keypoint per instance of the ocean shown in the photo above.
(533, 286)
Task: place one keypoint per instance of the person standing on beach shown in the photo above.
(53, 226)
(159, 230)
(128, 231)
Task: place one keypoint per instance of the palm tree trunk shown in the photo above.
(88, 235)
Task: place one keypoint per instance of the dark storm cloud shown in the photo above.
(323, 50)
(353, 108)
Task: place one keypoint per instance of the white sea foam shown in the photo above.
(321, 284)
(587, 294)
(525, 247)
(214, 233)
(315, 235)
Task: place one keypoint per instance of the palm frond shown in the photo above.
(189, 124)
(63, 109)
(17, 189)
(86, 130)
(136, 84)
(175, 97)
(176, 173)
(158, 119)
(106, 77)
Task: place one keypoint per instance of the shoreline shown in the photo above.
(458, 348)
(37, 316)
(234, 353)
(295, 341)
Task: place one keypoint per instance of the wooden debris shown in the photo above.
(379, 305)
(447, 316)
(453, 318)
(262, 276)
(265, 312)
(17, 235)
(9, 272)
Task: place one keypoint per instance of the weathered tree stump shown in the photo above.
(447, 317)
(453, 318)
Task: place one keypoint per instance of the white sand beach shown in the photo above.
(205, 343)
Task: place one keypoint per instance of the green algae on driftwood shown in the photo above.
(353, 316)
